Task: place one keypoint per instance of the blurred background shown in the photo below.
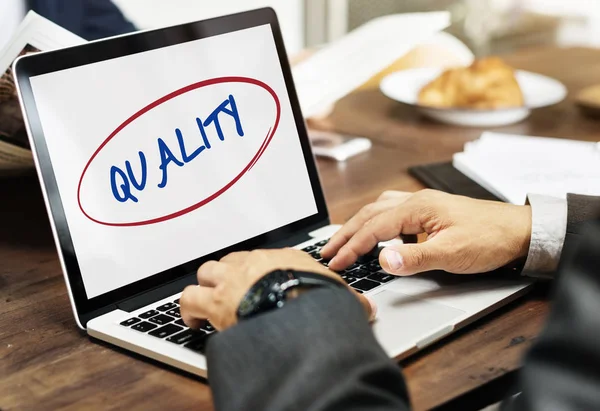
(486, 26)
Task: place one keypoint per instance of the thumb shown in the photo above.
(409, 259)
(368, 304)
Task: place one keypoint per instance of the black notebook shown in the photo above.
(444, 177)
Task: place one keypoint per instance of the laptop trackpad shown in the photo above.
(406, 320)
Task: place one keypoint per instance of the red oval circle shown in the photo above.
(162, 100)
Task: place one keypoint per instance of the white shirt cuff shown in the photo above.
(548, 231)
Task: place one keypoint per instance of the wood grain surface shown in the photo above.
(47, 363)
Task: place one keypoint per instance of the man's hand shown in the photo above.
(223, 284)
(464, 236)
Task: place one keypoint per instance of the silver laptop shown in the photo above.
(163, 149)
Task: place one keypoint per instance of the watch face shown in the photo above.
(261, 296)
(251, 300)
(270, 291)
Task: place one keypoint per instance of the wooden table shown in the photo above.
(46, 363)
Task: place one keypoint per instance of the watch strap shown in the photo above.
(270, 291)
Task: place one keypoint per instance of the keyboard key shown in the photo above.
(309, 249)
(161, 319)
(364, 285)
(144, 326)
(348, 280)
(186, 336)
(322, 243)
(207, 326)
(131, 321)
(367, 258)
(165, 331)
(176, 301)
(316, 255)
(358, 273)
(166, 307)
(148, 314)
(353, 267)
(180, 322)
(358, 291)
(174, 313)
(373, 267)
(199, 344)
(381, 277)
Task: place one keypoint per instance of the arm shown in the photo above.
(556, 224)
(464, 235)
(316, 353)
(582, 210)
(548, 227)
(461, 235)
(562, 370)
(90, 19)
(102, 18)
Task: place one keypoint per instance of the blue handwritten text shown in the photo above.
(124, 183)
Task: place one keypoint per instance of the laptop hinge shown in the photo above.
(295, 239)
(156, 294)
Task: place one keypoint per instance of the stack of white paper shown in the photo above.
(347, 63)
(38, 32)
(34, 33)
(511, 166)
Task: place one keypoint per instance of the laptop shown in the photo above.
(163, 149)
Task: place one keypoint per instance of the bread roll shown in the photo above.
(488, 83)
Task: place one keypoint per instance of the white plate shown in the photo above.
(538, 91)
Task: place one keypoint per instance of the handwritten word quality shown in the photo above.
(126, 184)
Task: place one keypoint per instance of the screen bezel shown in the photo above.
(48, 62)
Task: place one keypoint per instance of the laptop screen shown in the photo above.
(164, 156)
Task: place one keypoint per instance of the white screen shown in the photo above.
(80, 108)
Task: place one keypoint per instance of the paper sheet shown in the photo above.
(512, 166)
(342, 66)
(34, 34)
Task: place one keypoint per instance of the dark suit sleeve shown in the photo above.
(101, 18)
(581, 211)
(90, 19)
(562, 370)
(316, 353)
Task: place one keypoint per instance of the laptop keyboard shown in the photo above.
(164, 321)
(363, 276)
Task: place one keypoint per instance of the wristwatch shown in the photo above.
(271, 291)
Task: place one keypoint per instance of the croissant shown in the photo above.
(488, 83)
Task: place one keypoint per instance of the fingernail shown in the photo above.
(373, 309)
(332, 261)
(394, 259)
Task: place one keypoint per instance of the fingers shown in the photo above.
(211, 273)
(409, 259)
(382, 227)
(339, 239)
(236, 257)
(392, 194)
(194, 303)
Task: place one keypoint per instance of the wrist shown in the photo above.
(523, 224)
(274, 289)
